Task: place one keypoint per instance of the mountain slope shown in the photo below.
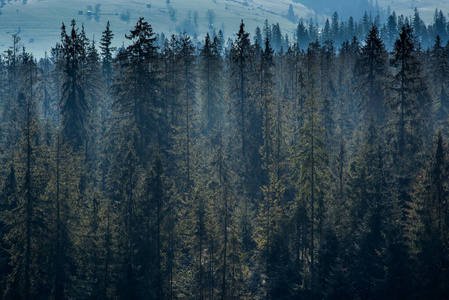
(38, 22)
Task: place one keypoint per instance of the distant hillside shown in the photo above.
(345, 8)
(38, 22)
(426, 8)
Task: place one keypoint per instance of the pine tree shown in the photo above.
(212, 123)
(198, 243)
(439, 24)
(258, 36)
(371, 69)
(136, 97)
(291, 87)
(241, 53)
(187, 102)
(313, 30)
(267, 104)
(170, 92)
(408, 104)
(108, 245)
(311, 163)
(276, 37)
(369, 193)
(94, 94)
(428, 224)
(392, 30)
(327, 91)
(13, 81)
(269, 210)
(326, 35)
(73, 103)
(28, 232)
(439, 68)
(157, 182)
(419, 28)
(106, 52)
(48, 104)
(335, 29)
(9, 202)
(210, 79)
(346, 119)
(56, 78)
(245, 114)
(124, 179)
(62, 191)
(351, 28)
(365, 23)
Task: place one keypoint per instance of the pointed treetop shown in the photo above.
(143, 39)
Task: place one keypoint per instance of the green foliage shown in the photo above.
(107, 51)
(311, 162)
(428, 223)
(62, 196)
(136, 98)
(439, 68)
(74, 104)
(207, 171)
(27, 236)
(372, 73)
(409, 105)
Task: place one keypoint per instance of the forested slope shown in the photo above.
(226, 170)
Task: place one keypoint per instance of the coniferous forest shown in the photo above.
(253, 168)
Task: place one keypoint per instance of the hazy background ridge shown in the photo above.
(38, 22)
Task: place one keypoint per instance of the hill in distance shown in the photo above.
(38, 22)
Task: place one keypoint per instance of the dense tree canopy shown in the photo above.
(171, 169)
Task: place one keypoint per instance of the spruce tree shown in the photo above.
(13, 81)
(135, 91)
(210, 82)
(187, 102)
(73, 103)
(106, 52)
(94, 94)
(9, 202)
(392, 30)
(48, 109)
(428, 223)
(28, 232)
(302, 38)
(124, 178)
(408, 104)
(269, 210)
(327, 92)
(62, 192)
(369, 193)
(439, 68)
(371, 69)
(240, 91)
(311, 162)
